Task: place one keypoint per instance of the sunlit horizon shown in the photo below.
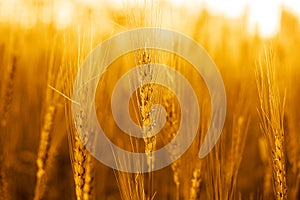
(263, 16)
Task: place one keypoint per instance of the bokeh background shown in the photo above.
(43, 42)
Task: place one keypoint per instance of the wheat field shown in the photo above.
(43, 157)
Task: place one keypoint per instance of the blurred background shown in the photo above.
(261, 16)
(41, 40)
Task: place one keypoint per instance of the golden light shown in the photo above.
(263, 16)
(230, 8)
(64, 14)
(63, 61)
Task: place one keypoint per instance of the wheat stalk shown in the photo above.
(131, 186)
(223, 168)
(271, 113)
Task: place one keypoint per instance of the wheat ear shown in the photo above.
(43, 152)
(196, 181)
(44, 157)
(82, 169)
(271, 113)
(146, 97)
(81, 160)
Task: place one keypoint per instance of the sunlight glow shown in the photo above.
(64, 14)
(231, 8)
(263, 15)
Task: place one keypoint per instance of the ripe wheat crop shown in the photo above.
(43, 154)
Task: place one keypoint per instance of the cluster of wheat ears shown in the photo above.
(43, 157)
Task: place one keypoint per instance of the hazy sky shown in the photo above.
(262, 13)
